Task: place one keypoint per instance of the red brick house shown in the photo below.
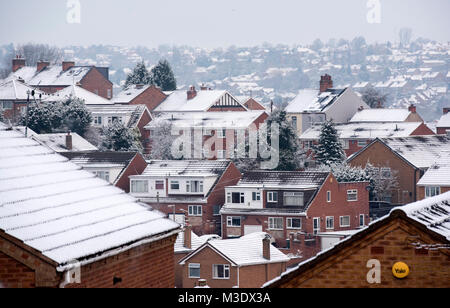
(295, 208)
(252, 104)
(436, 179)
(77, 230)
(148, 95)
(443, 125)
(246, 262)
(52, 78)
(416, 234)
(113, 167)
(409, 157)
(192, 190)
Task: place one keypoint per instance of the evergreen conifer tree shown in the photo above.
(329, 150)
(140, 75)
(163, 77)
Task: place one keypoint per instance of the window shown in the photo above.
(194, 270)
(109, 93)
(221, 133)
(159, 185)
(233, 221)
(275, 223)
(194, 186)
(98, 120)
(7, 105)
(272, 196)
(385, 173)
(316, 225)
(293, 223)
(235, 197)
(362, 143)
(102, 175)
(328, 196)
(308, 144)
(139, 186)
(344, 221)
(431, 191)
(361, 220)
(256, 196)
(345, 144)
(352, 195)
(293, 198)
(174, 185)
(195, 210)
(221, 271)
(330, 223)
(294, 122)
(221, 154)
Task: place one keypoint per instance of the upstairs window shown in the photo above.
(272, 196)
(221, 271)
(293, 199)
(194, 186)
(159, 185)
(431, 191)
(104, 175)
(352, 195)
(195, 210)
(174, 185)
(344, 221)
(139, 186)
(256, 196)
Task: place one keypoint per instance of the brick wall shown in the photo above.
(151, 97)
(95, 82)
(136, 167)
(147, 266)
(14, 274)
(442, 130)
(347, 267)
(421, 191)
(422, 130)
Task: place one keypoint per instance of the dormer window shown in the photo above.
(194, 186)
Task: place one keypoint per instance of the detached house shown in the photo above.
(247, 262)
(417, 235)
(61, 226)
(409, 157)
(294, 207)
(311, 107)
(52, 78)
(148, 95)
(191, 192)
(436, 179)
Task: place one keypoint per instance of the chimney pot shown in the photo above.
(191, 93)
(17, 63)
(69, 144)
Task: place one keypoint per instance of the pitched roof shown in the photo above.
(439, 173)
(243, 251)
(432, 215)
(76, 91)
(130, 93)
(444, 121)
(16, 90)
(134, 112)
(228, 119)
(187, 168)
(381, 115)
(65, 213)
(196, 241)
(367, 131)
(57, 142)
(421, 151)
(100, 158)
(309, 100)
(296, 179)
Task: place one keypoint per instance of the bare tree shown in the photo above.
(374, 98)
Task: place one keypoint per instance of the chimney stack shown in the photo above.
(266, 247)
(69, 144)
(41, 65)
(412, 108)
(67, 65)
(446, 110)
(204, 88)
(325, 83)
(188, 237)
(191, 93)
(17, 63)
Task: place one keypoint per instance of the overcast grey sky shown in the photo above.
(217, 23)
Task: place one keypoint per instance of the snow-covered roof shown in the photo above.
(367, 130)
(76, 91)
(196, 241)
(439, 173)
(66, 213)
(309, 100)
(57, 142)
(444, 121)
(296, 179)
(16, 90)
(177, 101)
(130, 93)
(209, 120)
(133, 112)
(55, 76)
(244, 251)
(99, 158)
(189, 168)
(381, 115)
(421, 151)
(433, 213)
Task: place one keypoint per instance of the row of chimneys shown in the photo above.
(188, 242)
(192, 92)
(19, 62)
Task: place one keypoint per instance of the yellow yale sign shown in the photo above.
(400, 270)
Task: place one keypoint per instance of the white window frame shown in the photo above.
(194, 266)
(289, 223)
(329, 196)
(363, 220)
(133, 186)
(328, 220)
(230, 221)
(299, 195)
(104, 175)
(352, 192)
(431, 191)
(316, 229)
(189, 186)
(222, 133)
(270, 196)
(226, 269)
(256, 196)
(159, 182)
(191, 211)
(362, 143)
(98, 120)
(272, 225)
(174, 183)
(109, 93)
(340, 221)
